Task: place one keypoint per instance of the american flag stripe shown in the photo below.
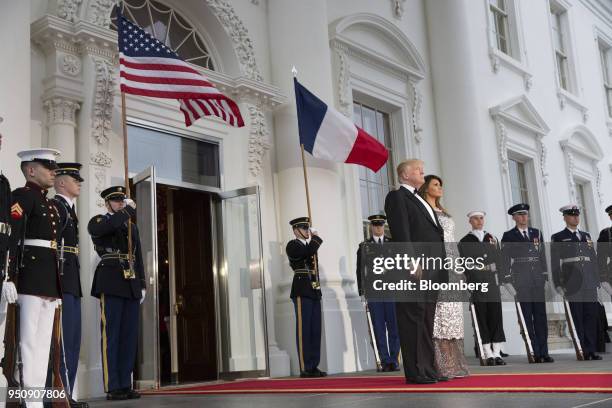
(147, 67)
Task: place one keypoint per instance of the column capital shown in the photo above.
(61, 111)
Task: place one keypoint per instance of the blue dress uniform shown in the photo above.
(306, 297)
(119, 289)
(574, 268)
(525, 267)
(71, 279)
(33, 267)
(383, 315)
(604, 251)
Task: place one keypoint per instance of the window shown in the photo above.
(605, 55)
(374, 186)
(518, 182)
(499, 17)
(561, 46)
(581, 198)
(167, 26)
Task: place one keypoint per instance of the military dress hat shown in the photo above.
(46, 157)
(300, 222)
(69, 169)
(570, 209)
(609, 210)
(475, 213)
(377, 219)
(113, 193)
(521, 208)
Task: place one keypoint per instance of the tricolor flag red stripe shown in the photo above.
(148, 68)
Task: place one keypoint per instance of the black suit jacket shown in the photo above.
(604, 254)
(359, 266)
(410, 223)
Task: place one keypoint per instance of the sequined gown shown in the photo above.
(448, 323)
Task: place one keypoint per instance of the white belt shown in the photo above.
(5, 228)
(41, 243)
(576, 259)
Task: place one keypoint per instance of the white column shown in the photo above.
(299, 36)
(61, 124)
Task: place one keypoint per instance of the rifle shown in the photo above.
(12, 354)
(481, 354)
(572, 329)
(524, 332)
(55, 350)
(61, 259)
(372, 336)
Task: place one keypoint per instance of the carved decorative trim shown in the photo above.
(239, 35)
(68, 9)
(345, 99)
(543, 152)
(61, 111)
(100, 176)
(101, 159)
(502, 144)
(598, 183)
(70, 65)
(528, 81)
(100, 12)
(571, 168)
(103, 101)
(417, 104)
(398, 8)
(258, 140)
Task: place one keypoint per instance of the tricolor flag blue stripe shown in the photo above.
(327, 134)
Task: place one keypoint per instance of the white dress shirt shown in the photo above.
(479, 234)
(576, 231)
(422, 200)
(379, 239)
(68, 200)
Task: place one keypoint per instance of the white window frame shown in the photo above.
(516, 59)
(604, 43)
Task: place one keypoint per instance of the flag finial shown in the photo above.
(294, 71)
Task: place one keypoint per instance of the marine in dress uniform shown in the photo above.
(120, 288)
(68, 187)
(604, 254)
(383, 313)
(525, 268)
(575, 274)
(479, 243)
(33, 263)
(5, 224)
(306, 295)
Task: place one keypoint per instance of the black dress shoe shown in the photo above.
(386, 368)
(504, 355)
(420, 380)
(117, 395)
(318, 373)
(395, 367)
(77, 404)
(538, 360)
(548, 359)
(132, 394)
(490, 361)
(499, 361)
(593, 356)
(306, 374)
(441, 378)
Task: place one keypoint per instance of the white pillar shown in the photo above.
(61, 124)
(299, 36)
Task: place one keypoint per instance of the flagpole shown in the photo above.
(126, 174)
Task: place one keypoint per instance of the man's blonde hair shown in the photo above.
(405, 164)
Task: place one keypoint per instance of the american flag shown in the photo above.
(147, 67)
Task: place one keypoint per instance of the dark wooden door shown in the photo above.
(197, 349)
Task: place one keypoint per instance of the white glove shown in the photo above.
(607, 287)
(313, 231)
(560, 290)
(130, 202)
(510, 289)
(144, 293)
(9, 292)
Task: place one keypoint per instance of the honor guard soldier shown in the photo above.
(479, 243)
(575, 274)
(5, 223)
(384, 322)
(306, 295)
(604, 255)
(525, 269)
(67, 188)
(119, 283)
(34, 281)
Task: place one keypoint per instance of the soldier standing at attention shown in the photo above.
(119, 283)
(604, 255)
(306, 295)
(34, 280)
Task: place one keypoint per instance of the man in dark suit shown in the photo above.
(525, 268)
(574, 269)
(384, 321)
(413, 222)
(604, 255)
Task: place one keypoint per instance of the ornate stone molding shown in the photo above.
(571, 169)
(61, 111)
(398, 8)
(345, 99)
(100, 176)
(103, 101)
(68, 10)
(258, 140)
(239, 34)
(100, 12)
(417, 105)
(101, 159)
(543, 152)
(70, 65)
(502, 144)
(598, 183)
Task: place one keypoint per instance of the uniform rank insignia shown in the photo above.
(16, 211)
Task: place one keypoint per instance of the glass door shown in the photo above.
(148, 343)
(242, 340)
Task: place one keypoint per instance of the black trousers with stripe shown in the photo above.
(308, 331)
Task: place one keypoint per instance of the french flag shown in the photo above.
(328, 134)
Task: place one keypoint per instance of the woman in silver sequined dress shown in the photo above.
(448, 323)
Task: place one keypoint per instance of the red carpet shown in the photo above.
(541, 382)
